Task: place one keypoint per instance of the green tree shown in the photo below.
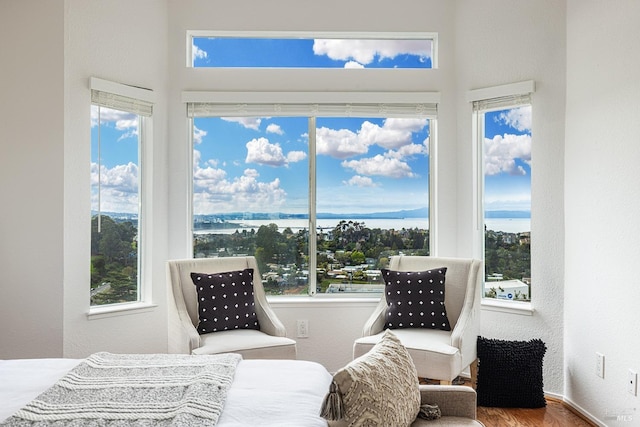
(114, 266)
(357, 258)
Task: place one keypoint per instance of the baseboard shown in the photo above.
(575, 408)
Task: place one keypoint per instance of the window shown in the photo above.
(504, 139)
(117, 140)
(320, 194)
(293, 50)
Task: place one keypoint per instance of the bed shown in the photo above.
(262, 392)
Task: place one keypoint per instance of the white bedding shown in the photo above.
(277, 393)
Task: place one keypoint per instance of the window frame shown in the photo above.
(146, 99)
(410, 35)
(499, 96)
(233, 103)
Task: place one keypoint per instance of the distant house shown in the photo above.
(508, 289)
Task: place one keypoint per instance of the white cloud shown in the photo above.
(196, 52)
(365, 51)
(274, 128)
(393, 134)
(125, 122)
(205, 177)
(213, 192)
(247, 122)
(380, 165)
(409, 151)
(353, 64)
(360, 181)
(121, 119)
(196, 158)
(518, 118)
(198, 134)
(129, 122)
(501, 151)
(261, 151)
(340, 143)
(118, 188)
(296, 156)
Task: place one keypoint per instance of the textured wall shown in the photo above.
(124, 42)
(499, 42)
(602, 206)
(31, 178)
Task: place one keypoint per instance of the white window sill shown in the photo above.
(323, 300)
(502, 306)
(111, 310)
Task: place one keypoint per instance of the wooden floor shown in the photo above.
(555, 414)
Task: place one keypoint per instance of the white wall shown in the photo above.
(31, 178)
(50, 49)
(333, 327)
(499, 42)
(125, 42)
(602, 205)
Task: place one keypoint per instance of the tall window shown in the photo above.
(504, 133)
(322, 201)
(116, 151)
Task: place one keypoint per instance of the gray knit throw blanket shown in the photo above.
(135, 390)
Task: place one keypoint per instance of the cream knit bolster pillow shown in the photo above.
(380, 388)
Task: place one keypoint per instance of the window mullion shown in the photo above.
(312, 245)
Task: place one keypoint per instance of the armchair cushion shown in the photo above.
(415, 299)
(225, 301)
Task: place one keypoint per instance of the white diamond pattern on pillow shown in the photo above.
(225, 301)
(415, 299)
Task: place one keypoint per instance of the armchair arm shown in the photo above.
(183, 336)
(453, 400)
(465, 333)
(375, 322)
(269, 322)
(183, 339)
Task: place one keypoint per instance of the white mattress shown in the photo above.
(264, 392)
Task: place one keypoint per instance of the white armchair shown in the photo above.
(437, 354)
(270, 342)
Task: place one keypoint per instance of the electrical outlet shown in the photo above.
(600, 365)
(303, 328)
(632, 382)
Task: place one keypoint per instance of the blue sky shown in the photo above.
(119, 160)
(261, 164)
(316, 53)
(364, 164)
(507, 154)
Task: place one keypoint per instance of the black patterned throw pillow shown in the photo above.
(225, 301)
(415, 299)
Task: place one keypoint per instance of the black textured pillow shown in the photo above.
(225, 301)
(415, 299)
(510, 373)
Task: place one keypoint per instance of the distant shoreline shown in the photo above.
(506, 225)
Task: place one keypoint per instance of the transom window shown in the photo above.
(300, 50)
